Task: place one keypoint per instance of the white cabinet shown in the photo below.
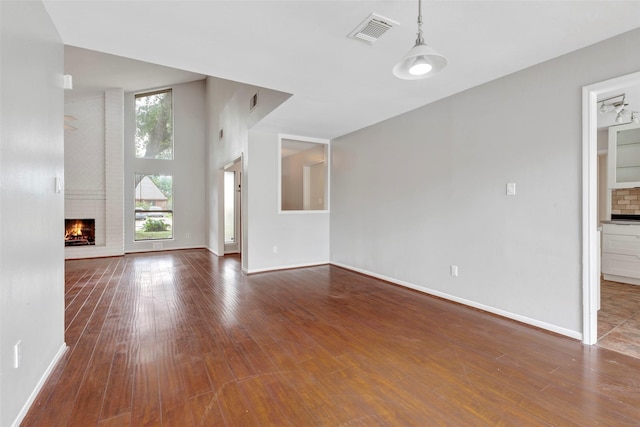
(624, 156)
(621, 253)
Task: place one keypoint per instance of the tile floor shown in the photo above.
(619, 318)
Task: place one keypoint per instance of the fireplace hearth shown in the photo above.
(79, 232)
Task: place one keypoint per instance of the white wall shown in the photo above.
(31, 212)
(228, 110)
(301, 238)
(424, 190)
(84, 147)
(187, 169)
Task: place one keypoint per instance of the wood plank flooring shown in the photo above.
(183, 338)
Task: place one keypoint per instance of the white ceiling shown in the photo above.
(93, 72)
(301, 47)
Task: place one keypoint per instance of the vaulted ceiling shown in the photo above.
(301, 47)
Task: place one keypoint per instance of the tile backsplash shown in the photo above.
(625, 201)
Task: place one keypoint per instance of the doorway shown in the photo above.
(313, 186)
(232, 201)
(590, 221)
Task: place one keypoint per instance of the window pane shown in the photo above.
(154, 126)
(153, 207)
(229, 207)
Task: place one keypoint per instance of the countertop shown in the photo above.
(621, 222)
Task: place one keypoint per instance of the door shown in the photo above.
(232, 208)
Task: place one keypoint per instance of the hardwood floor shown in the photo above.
(185, 339)
(619, 317)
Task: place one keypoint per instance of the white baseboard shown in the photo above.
(36, 390)
(282, 267)
(178, 248)
(533, 322)
(621, 279)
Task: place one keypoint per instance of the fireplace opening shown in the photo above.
(79, 232)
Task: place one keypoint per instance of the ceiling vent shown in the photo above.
(372, 28)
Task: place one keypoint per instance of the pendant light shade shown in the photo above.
(422, 60)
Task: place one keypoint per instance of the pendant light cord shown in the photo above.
(420, 39)
(422, 60)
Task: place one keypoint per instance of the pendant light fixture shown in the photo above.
(619, 106)
(421, 61)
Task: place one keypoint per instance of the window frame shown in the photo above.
(137, 211)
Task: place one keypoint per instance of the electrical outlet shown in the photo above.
(157, 245)
(453, 269)
(17, 354)
(275, 249)
(188, 235)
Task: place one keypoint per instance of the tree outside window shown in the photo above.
(154, 125)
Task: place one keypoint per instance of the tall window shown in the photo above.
(154, 207)
(154, 125)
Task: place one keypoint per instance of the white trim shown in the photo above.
(178, 248)
(533, 322)
(100, 252)
(301, 212)
(590, 249)
(622, 279)
(589, 214)
(220, 206)
(36, 390)
(236, 168)
(282, 136)
(212, 251)
(237, 160)
(282, 267)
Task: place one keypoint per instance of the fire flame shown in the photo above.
(74, 231)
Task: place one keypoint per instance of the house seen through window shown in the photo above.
(153, 207)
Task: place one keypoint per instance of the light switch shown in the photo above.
(511, 189)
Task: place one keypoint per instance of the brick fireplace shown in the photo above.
(94, 173)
